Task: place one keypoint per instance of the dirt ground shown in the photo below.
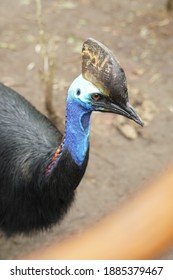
(140, 33)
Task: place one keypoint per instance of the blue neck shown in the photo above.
(77, 130)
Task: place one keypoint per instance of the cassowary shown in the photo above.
(39, 167)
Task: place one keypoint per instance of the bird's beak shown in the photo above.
(124, 110)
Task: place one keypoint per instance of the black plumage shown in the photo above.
(29, 200)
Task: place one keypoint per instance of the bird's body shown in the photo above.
(34, 193)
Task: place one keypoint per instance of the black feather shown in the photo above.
(30, 200)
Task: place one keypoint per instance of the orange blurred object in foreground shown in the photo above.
(142, 228)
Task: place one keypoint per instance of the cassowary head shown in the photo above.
(102, 85)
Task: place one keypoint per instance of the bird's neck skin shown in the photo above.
(76, 137)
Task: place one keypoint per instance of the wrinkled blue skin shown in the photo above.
(78, 113)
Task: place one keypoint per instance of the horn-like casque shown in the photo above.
(100, 67)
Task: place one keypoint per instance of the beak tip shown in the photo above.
(133, 115)
(140, 121)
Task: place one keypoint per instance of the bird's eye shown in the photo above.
(96, 96)
(78, 92)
